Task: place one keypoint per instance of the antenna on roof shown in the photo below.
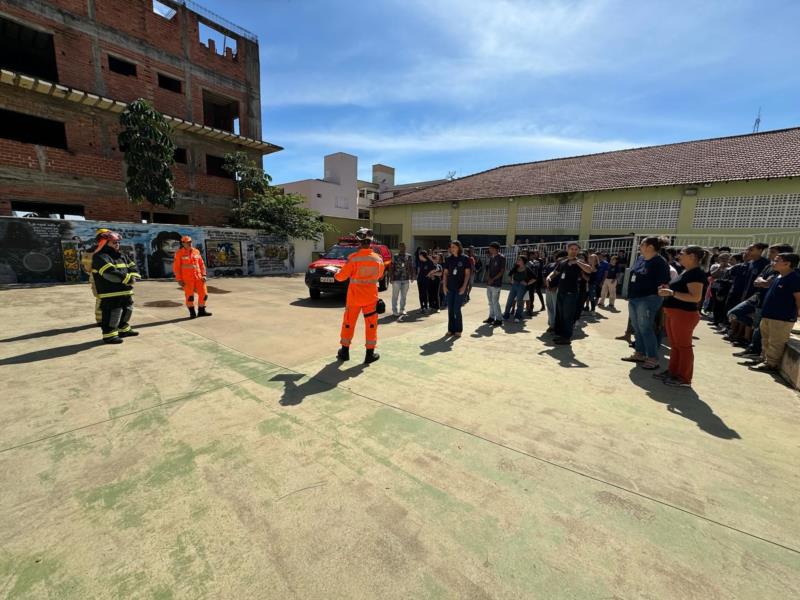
(451, 175)
(757, 124)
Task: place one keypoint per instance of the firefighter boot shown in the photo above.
(203, 313)
(192, 313)
(344, 353)
(371, 357)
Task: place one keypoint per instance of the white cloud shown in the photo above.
(455, 138)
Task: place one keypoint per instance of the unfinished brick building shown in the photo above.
(68, 69)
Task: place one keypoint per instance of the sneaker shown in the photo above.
(113, 340)
(131, 333)
(746, 354)
(764, 368)
(674, 382)
(489, 321)
(497, 323)
(635, 357)
(662, 375)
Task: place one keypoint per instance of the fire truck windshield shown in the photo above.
(340, 252)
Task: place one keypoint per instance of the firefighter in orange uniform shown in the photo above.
(364, 269)
(190, 272)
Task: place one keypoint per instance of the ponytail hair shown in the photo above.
(695, 251)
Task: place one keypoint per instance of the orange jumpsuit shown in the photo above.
(364, 269)
(190, 269)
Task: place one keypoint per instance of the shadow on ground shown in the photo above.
(329, 377)
(683, 402)
(61, 351)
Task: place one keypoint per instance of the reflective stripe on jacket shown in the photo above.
(188, 264)
(364, 269)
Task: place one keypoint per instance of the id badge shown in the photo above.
(563, 276)
(633, 278)
(455, 272)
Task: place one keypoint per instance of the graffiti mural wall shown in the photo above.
(51, 251)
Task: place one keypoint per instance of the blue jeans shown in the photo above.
(517, 292)
(643, 319)
(755, 343)
(550, 299)
(743, 312)
(454, 301)
(566, 309)
(493, 295)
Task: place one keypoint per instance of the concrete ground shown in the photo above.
(232, 457)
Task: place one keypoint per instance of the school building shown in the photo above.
(708, 189)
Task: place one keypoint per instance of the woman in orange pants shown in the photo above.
(682, 310)
(190, 272)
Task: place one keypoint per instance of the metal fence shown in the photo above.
(630, 245)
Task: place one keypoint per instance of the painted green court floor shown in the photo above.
(231, 457)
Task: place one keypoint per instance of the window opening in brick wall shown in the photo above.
(146, 217)
(170, 83)
(32, 130)
(645, 214)
(46, 210)
(181, 156)
(214, 167)
(545, 217)
(748, 212)
(162, 10)
(220, 112)
(170, 218)
(27, 51)
(217, 40)
(123, 67)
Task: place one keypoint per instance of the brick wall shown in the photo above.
(91, 171)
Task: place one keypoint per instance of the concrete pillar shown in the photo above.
(587, 206)
(686, 214)
(454, 222)
(511, 227)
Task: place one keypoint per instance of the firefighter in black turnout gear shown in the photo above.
(114, 275)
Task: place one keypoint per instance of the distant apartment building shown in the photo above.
(69, 67)
(341, 194)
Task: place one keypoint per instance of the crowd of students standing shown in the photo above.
(754, 299)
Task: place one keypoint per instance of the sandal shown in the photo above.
(635, 358)
(651, 364)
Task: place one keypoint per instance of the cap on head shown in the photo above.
(186, 238)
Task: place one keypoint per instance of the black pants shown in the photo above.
(535, 289)
(117, 314)
(567, 307)
(718, 307)
(423, 287)
(434, 293)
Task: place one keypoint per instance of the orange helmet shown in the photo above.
(186, 238)
(105, 237)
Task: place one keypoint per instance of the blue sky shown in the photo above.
(431, 86)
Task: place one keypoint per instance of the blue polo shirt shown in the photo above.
(779, 302)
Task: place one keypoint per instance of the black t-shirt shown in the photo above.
(425, 268)
(456, 267)
(549, 268)
(497, 264)
(681, 285)
(647, 276)
(569, 276)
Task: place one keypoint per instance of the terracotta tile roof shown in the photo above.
(771, 154)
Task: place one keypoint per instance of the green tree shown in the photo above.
(250, 178)
(149, 153)
(269, 208)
